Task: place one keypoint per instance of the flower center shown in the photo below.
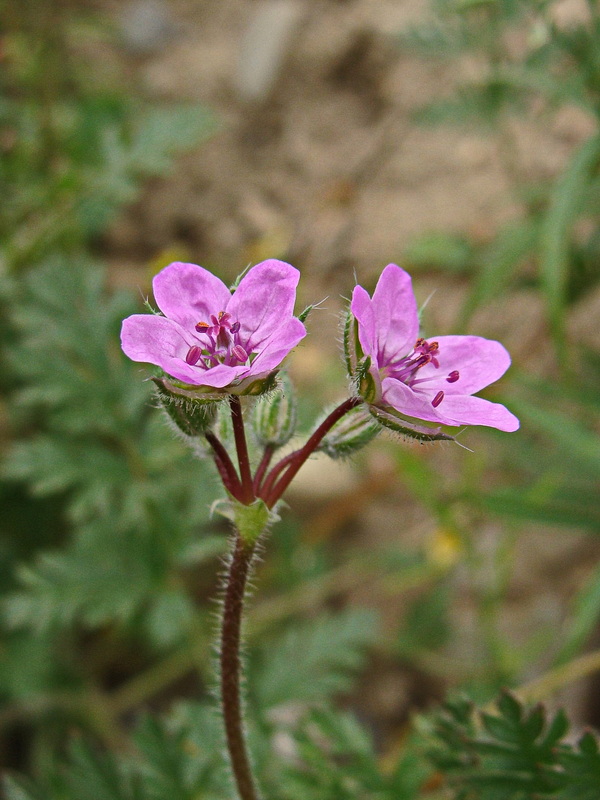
(407, 369)
(220, 345)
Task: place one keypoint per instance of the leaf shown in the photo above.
(325, 652)
(564, 208)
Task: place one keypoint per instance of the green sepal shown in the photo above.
(192, 412)
(250, 521)
(254, 387)
(365, 382)
(274, 418)
(356, 429)
(353, 352)
(422, 433)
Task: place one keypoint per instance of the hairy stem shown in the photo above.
(231, 701)
(297, 459)
(225, 467)
(242, 449)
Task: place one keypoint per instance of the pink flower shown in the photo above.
(210, 337)
(431, 380)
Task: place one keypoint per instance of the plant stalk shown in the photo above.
(297, 459)
(231, 700)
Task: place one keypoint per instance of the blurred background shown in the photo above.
(458, 138)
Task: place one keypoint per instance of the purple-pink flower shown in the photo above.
(426, 379)
(210, 337)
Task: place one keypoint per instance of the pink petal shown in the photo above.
(278, 346)
(396, 314)
(412, 404)
(189, 294)
(477, 411)
(362, 309)
(264, 301)
(479, 362)
(157, 340)
(150, 338)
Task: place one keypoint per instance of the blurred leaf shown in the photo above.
(439, 250)
(326, 653)
(565, 206)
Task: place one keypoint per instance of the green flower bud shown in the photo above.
(356, 429)
(192, 412)
(422, 433)
(274, 418)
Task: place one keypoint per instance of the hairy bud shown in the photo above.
(275, 415)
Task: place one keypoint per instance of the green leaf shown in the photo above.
(326, 653)
(565, 206)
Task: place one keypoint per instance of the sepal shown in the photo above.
(274, 418)
(366, 384)
(193, 412)
(352, 350)
(356, 429)
(422, 433)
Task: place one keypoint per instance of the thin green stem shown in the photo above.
(231, 700)
(242, 449)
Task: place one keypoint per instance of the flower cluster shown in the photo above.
(210, 339)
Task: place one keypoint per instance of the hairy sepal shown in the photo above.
(394, 422)
(192, 412)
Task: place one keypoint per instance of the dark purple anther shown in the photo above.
(453, 376)
(235, 327)
(437, 399)
(193, 355)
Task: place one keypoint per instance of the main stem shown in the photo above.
(231, 701)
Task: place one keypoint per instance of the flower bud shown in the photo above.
(356, 429)
(192, 412)
(274, 417)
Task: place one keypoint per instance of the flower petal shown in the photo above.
(278, 346)
(396, 314)
(157, 340)
(478, 361)
(477, 411)
(412, 404)
(263, 301)
(189, 294)
(361, 307)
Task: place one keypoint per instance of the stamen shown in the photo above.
(193, 355)
(437, 399)
(453, 376)
(235, 327)
(201, 327)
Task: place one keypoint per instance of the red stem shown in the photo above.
(297, 459)
(262, 467)
(225, 467)
(242, 449)
(231, 701)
